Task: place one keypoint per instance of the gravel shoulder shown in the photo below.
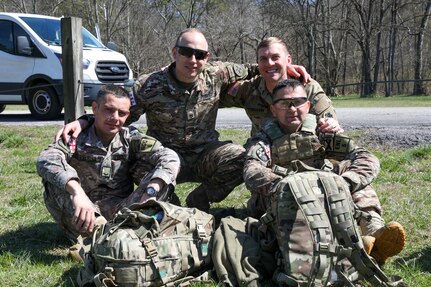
(397, 127)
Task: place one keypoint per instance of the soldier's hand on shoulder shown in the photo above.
(329, 125)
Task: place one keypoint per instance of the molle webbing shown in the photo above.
(341, 214)
(318, 222)
(139, 247)
(334, 232)
(301, 145)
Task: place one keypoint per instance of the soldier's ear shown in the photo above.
(174, 52)
(94, 106)
(272, 108)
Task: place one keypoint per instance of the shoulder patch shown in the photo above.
(139, 143)
(233, 89)
(147, 144)
(261, 152)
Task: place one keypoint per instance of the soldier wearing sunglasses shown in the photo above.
(291, 135)
(254, 95)
(181, 103)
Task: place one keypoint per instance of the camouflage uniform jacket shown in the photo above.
(271, 149)
(253, 96)
(184, 119)
(105, 172)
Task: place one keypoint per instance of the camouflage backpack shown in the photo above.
(151, 244)
(312, 217)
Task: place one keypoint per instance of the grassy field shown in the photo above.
(33, 251)
(379, 101)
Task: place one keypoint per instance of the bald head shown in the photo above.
(192, 38)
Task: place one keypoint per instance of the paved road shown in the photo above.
(351, 118)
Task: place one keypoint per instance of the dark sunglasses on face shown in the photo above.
(188, 52)
(284, 104)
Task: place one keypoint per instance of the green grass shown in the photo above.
(354, 101)
(33, 251)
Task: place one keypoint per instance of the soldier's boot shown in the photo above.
(389, 238)
(368, 242)
(77, 251)
(198, 199)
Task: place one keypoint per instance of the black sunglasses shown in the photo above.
(188, 52)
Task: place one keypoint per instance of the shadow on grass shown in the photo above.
(42, 243)
(38, 241)
(420, 260)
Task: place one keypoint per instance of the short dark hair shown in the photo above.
(293, 83)
(188, 30)
(117, 91)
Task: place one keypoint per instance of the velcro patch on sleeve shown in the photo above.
(337, 143)
(233, 89)
(147, 144)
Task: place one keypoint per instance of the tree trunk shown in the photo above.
(418, 88)
(391, 50)
(378, 49)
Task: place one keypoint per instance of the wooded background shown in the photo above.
(350, 46)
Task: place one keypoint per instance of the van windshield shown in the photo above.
(50, 31)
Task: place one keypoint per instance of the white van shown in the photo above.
(30, 64)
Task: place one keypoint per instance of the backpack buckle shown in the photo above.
(200, 230)
(150, 248)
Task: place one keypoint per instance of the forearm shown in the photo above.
(166, 165)
(53, 167)
(258, 178)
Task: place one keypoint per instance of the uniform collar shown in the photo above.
(263, 91)
(93, 140)
(175, 88)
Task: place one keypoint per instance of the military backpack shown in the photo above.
(150, 244)
(312, 216)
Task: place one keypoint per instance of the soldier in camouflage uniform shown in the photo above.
(181, 103)
(96, 176)
(292, 136)
(254, 95)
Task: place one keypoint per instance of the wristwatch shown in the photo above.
(151, 191)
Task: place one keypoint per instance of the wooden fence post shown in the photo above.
(71, 38)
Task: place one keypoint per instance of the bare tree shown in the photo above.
(339, 41)
(331, 39)
(418, 88)
(362, 32)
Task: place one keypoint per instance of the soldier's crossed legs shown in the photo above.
(218, 167)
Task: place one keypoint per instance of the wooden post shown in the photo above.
(71, 38)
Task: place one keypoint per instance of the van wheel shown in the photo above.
(2, 107)
(43, 103)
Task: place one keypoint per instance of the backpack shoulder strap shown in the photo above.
(340, 207)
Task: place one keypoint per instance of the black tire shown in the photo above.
(44, 104)
(2, 107)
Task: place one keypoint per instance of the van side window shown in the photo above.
(6, 37)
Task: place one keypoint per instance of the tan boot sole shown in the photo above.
(368, 242)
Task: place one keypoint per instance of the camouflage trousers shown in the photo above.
(218, 167)
(59, 205)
